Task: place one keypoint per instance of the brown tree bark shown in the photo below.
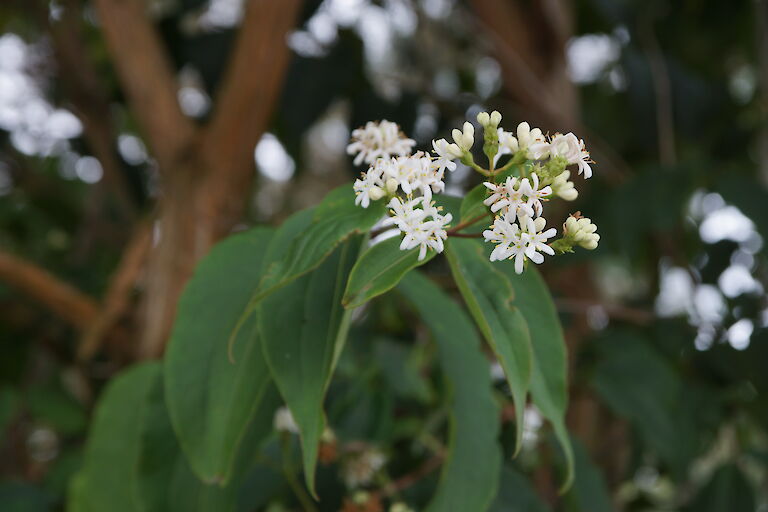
(205, 172)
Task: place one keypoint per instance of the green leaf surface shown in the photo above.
(472, 206)
(379, 269)
(639, 384)
(335, 219)
(133, 461)
(114, 447)
(728, 490)
(488, 295)
(303, 327)
(212, 400)
(516, 494)
(469, 477)
(589, 492)
(549, 378)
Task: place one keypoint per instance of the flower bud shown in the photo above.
(375, 193)
(564, 188)
(391, 185)
(483, 118)
(495, 118)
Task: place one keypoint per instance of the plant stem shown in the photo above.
(466, 235)
(466, 224)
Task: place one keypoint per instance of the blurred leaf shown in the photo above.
(303, 327)
(335, 219)
(589, 492)
(114, 446)
(51, 404)
(9, 405)
(22, 497)
(516, 494)
(213, 401)
(639, 385)
(401, 366)
(488, 295)
(549, 377)
(379, 269)
(469, 478)
(133, 457)
(727, 490)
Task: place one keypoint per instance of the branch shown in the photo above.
(147, 78)
(117, 299)
(66, 302)
(665, 124)
(250, 89)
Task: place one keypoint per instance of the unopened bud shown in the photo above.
(375, 193)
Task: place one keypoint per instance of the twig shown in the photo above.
(117, 299)
(454, 231)
(410, 479)
(65, 301)
(665, 126)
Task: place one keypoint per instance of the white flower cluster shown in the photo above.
(519, 232)
(408, 181)
(379, 140)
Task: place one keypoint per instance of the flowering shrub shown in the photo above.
(261, 331)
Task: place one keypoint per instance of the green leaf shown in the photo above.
(728, 490)
(472, 206)
(133, 457)
(213, 401)
(23, 497)
(303, 327)
(549, 378)
(114, 446)
(488, 295)
(516, 494)
(335, 219)
(589, 492)
(661, 408)
(469, 477)
(379, 270)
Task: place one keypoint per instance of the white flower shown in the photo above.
(423, 227)
(508, 197)
(427, 176)
(446, 154)
(569, 147)
(369, 186)
(405, 214)
(411, 173)
(582, 231)
(378, 140)
(284, 422)
(464, 139)
(564, 188)
(360, 469)
(534, 194)
(506, 234)
(519, 244)
(536, 239)
(526, 138)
